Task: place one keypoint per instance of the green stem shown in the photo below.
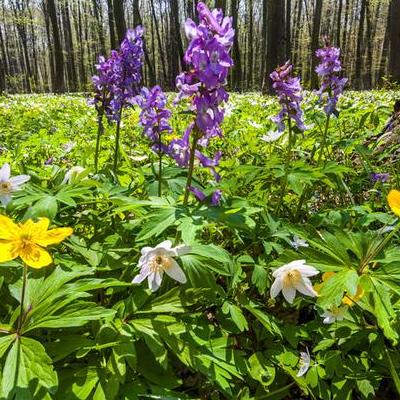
(324, 137)
(100, 131)
(24, 279)
(117, 136)
(191, 167)
(160, 154)
(287, 162)
(378, 248)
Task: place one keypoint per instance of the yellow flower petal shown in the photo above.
(393, 199)
(327, 275)
(351, 300)
(8, 251)
(35, 256)
(8, 230)
(53, 236)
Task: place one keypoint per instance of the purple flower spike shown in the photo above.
(154, 117)
(203, 84)
(118, 78)
(328, 70)
(289, 92)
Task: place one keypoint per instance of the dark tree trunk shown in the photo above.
(110, 13)
(358, 81)
(97, 9)
(276, 43)
(250, 47)
(58, 53)
(176, 61)
(69, 47)
(315, 40)
(288, 29)
(221, 4)
(394, 38)
(369, 43)
(264, 28)
(119, 18)
(296, 34)
(237, 68)
(160, 43)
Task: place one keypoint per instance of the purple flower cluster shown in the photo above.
(118, 78)
(328, 70)
(154, 117)
(379, 177)
(208, 58)
(289, 91)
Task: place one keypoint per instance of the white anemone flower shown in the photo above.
(272, 136)
(255, 124)
(334, 314)
(10, 184)
(72, 173)
(157, 260)
(297, 242)
(291, 277)
(305, 361)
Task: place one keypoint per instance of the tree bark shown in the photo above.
(315, 42)
(358, 81)
(237, 68)
(394, 38)
(119, 19)
(276, 40)
(110, 13)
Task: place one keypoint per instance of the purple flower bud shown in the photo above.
(379, 177)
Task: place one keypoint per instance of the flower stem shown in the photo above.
(191, 167)
(24, 279)
(287, 162)
(160, 154)
(117, 136)
(324, 137)
(100, 131)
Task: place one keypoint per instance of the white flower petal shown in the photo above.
(305, 287)
(165, 245)
(289, 293)
(276, 287)
(176, 272)
(146, 250)
(154, 280)
(180, 250)
(5, 199)
(307, 270)
(141, 276)
(19, 179)
(5, 172)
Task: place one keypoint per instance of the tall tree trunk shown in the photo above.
(367, 78)
(119, 18)
(264, 30)
(339, 23)
(315, 42)
(288, 29)
(250, 46)
(237, 68)
(358, 81)
(176, 42)
(58, 53)
(98, 12)
(276, 43)
(394, 38)
(69, 47)
(110, 13)
(160, 44)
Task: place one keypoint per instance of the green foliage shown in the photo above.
(87, 332)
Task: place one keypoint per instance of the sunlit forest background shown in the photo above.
(53, 45)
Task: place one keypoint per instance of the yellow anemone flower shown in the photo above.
(27, 240)
(393, 199)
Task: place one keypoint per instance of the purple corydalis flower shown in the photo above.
(328, 70)
(209, 62)
(154, 117)
(201, 196)
(289, 92)
(118, 78)
(379, 177)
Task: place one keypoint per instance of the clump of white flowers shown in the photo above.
(10, 184)
(305, 361)
(334, 314)
(157, 260)
(293, 277)
(72, 174)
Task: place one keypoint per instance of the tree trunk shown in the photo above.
(394, 38)
(58, 53)
(369, 43)
(237, 68)
(339, 23)
(315, 42)
(119, 18)
(358, 81)
(110, 13)
(250, 46)
(288, 29)
(276, 40)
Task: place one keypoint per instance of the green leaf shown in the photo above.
(27, 363)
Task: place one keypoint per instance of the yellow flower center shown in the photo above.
(291, 278)
(5, 187)
(160, 263)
